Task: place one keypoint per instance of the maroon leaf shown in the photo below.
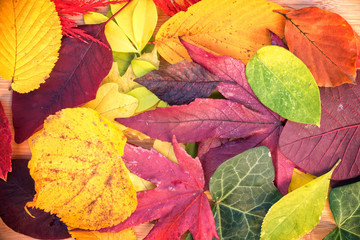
(178, 201)
(277, 41)
(14, 194)
(315, 149)
(180, 83)
(5, 145)
(171, 7)
(74, 81)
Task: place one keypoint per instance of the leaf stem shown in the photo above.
(112, 17)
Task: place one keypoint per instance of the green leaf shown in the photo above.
(141, 67)
(298, 212)
(283, 83)
(123, 60)
(345, 207)
(243, 191)
(146, 98)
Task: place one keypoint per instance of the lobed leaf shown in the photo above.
(243, 191)
(79, 175)
(15, 193)
(5, 145)
(284, 84)
(238, 29)
(325, 42)
(74, 81)
(30, 41)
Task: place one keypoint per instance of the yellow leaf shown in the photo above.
(30, 34)
(299, 179)
(225, 27)
(140, 184)
(114, 34)
(166, 149)
(138, 21)
(78, 171)
(151, 57)
(141, 67)
(146, 98)
(125, 82)
(111, 104)
(126, 234)
(144, 22)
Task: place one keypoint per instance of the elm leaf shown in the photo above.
(344, 204)
(284, 84)
(243, 191)
(298, 212)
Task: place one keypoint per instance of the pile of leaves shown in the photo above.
(240, 136)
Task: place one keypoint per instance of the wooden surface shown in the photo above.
(349, 9)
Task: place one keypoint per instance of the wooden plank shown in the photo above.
(349, 9)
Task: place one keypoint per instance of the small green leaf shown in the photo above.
(243, 191)
(283, 83)
(298, 212)
(141, 67)
(123, 60)
(345, 207)
(146, 98)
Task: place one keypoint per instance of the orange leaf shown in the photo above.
(126, 234)
(325, 42)
(225, 27)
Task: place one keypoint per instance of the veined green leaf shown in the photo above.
(243, 191)
(283, 83)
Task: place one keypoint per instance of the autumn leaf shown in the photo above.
(5, 145)
(171, 7)
(146, 99)
(277, 41)
(14, 194)
(126, 234)
(344, 205)
(316, 150)
(30, 42)
(299, 179)
(238, 29)
(241, 115)
(284, 84)
(110, 103)
(74, 81)
(325, 42)
(237, 215)
(178, 201)
(180, 83)
(298, 212)
(79, 175)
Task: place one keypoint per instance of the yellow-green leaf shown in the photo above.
(146, 98)
(78, 171)
(141, 67)
(299, 179)
(30, 33)
(111, 104)
(298, 212)
(225, 27)
(114, 34)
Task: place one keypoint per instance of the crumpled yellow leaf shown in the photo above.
(138, 21)
(114, 34)
(111, 104)
(30, 33)
(125, 82)
(126, 234)
(299, 178)
(224, 27)
(78, 171)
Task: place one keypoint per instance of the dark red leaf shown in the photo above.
(5, 145)
(315, 149)
(74, 81)
(277, 41)
(171, 7)
(178, 201)
(14, 194)
(180, 83)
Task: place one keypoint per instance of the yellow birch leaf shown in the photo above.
(111, 104)
(78, 171)
(114, 34)
(144, 22)
(146, 98)
(299, 179)
(141, 67)
(126, 234)
(30, 33)
(224, 27)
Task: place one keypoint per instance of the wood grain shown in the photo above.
(349, 9)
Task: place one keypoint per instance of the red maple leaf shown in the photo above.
(178, 201)
(5, 145)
